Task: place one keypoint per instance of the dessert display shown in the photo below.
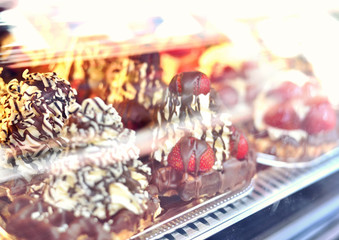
(197, 151)
(293, 119)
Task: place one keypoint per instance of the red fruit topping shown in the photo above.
(204, 85)
(238, 144)
(187, 149)
(179, 87)
(190, 83)
(321, 116)
(286, 90)
(229, 96)
(282, 116)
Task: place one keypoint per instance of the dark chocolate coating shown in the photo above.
(133, 115)
(188, 146)
(21, 224)
(235, 172)
(189, 81)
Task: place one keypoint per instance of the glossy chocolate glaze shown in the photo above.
(23, 208)
(133, 115)
(189, 82)
(190, 146)
(189, 186)
(49, 219)
(233, 172)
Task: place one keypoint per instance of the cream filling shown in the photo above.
(84, 203)
(263, 104)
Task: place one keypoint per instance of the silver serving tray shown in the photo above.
(274, 161)
(180, 216)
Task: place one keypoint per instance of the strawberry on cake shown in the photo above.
(293, 120)
(196, 150)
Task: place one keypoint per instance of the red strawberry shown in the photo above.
(204, 85)
(321, 116)
(179, 87)
(241, 148)
(190, 83)
(186, 150)
(282, 116)
(286, 90)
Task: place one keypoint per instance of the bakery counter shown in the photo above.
(271, 185)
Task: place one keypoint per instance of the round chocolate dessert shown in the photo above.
(196, 149)
(33, 113)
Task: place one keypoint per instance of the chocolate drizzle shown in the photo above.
(34, 112)
(235, 173)
(184, 85)
(182, 103)
(191, 146)
(95, 122)
(199, 117)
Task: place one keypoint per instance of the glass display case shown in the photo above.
(130, 53)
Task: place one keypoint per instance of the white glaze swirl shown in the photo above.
(33, 113)
(199, 126)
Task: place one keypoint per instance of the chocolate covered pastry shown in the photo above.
(98, 125)
(293, 120)
(97, 200)
(33, 113)
(94, 123)
(96, 188)
(197, 150)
